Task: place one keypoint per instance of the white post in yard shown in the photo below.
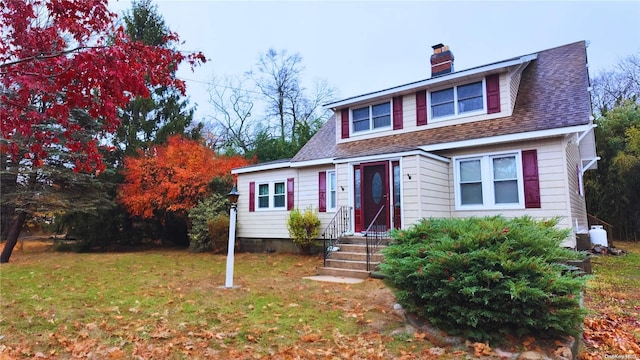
(233, 198)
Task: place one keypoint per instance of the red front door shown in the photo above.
(374, 196)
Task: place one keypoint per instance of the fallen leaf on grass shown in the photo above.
(115, 353)
(610, 332)
(419, 336)
(481, 349)
(311, 337)
(161, 335)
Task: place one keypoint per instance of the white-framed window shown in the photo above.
(372, 117)
(263, 196)
(458, 100)
(332, 193)
(491, 181)
(279, 195)
(272, 195)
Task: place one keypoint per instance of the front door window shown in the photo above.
(376, 188)
(375, 196)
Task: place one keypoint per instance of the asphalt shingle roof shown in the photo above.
(321, 145)
(553, 94)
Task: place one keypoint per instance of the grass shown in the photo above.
(616, 282)
(612, 296)
(172, 304)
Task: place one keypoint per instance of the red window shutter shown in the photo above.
(531, 179)
(397, 112)
(421, 108)
(289, 193)
(345, 123)
(493, 94)
(322, 191)
(252, 196)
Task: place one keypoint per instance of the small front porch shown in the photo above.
(352, 255)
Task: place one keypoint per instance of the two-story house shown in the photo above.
(512, 137)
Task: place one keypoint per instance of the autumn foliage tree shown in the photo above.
(144, 121)
(57, 56)
(172, 178)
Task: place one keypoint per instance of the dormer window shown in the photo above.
(457, 100)
(371, 117)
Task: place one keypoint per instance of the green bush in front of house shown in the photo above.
(211, 209)
(304, 227)
(219, 233)
(484, 278)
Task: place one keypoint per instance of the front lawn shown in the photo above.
(612, 328)
(172, 304)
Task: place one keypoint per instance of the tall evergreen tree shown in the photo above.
(46, 188)
(145, 122)
(149, 121)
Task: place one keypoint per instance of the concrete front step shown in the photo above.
(350, 264)
(360, 239)
(351, 259)
(356, 248)
(357, 256)
(350, 273)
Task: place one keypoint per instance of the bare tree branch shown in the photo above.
(612, 87)
(43, 56)
(233, 105)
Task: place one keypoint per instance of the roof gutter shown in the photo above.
(521, 61)
(370, 158)
(316, 162)
(259, 167)
(506, 138)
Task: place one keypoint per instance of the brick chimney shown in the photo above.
(441, 60)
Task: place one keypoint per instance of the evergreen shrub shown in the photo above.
(484, 278)
(206, 210)
(219, 233)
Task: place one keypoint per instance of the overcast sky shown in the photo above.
(364, 46)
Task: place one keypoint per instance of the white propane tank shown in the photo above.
(598, 235)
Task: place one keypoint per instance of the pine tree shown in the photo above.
(149, 121)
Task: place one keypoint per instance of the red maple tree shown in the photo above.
(61, 55)
(172, 177)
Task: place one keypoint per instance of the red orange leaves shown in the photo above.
(172, 177)
(613, 334)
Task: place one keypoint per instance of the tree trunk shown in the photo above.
(7, 211)
(6, 219)
(12, 237)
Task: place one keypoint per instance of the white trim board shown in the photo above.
(505, 138)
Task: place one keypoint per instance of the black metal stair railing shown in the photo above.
(373, 235)
(340, 224)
